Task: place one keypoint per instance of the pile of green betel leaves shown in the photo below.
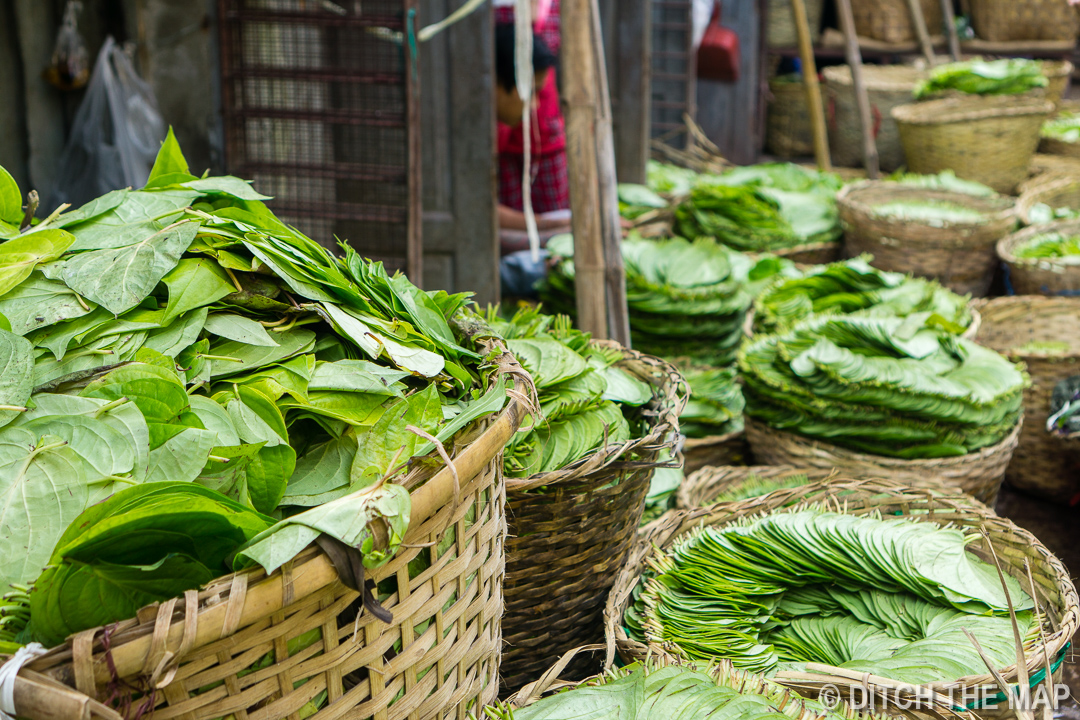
(984, 77)
(891, 597)
(854, 285)
(1063, 249)
(686, 299)
(228, 387)
(663, 690)
(898, 387)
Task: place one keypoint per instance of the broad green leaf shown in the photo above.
(16, 375)
(39, 302)
(157, 393)
(388, 444)
(19, 257)
(256, 417)
(244, 358)
(58, 337)
(215, 418)
(357, 376)
(547, 360)
(226, 185)
(182, 457)
(170, 161)
(136, 217)
(119, 279)
(322, 473)
(358, 409)
(194, 284)
(10, 199)
(345, 519)
(267, 474)
(287, 378)
(238, 328)
(95, 207)
(373, 343)
(180, 334)
(624, 388)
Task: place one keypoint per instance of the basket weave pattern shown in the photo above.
(781, 23)
(1041, 464)
(1040, 276)
(986, 139)
(1057, 191)
(890, 20)
(224, 650)
(701, 488)
(567, 542)
(978, 473)
(961, 256)
(787, 123)
(1008, 20)
(887, 86)
(715, 450)
(1014, 546)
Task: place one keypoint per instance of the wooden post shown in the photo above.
(917, 19)
(579, 99)
(862, 100)
(950, 29)
(813, 90)
(611, 228)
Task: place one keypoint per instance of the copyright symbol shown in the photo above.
(830, 696)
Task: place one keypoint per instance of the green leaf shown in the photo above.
(157, 393)
(181, 457)
(120, 279)
(238, 328)
(322, 473)
(39, 302)
(226, 185)
(19, 257)
(170, 161)
(193, 284)
(388, 443)
(92, 209)
(357, 376)
(137, 216)
(179, 335)
(245, 358)
(16, 374)
(10, 199)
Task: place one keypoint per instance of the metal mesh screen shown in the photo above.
(673, 69)
(316, 98)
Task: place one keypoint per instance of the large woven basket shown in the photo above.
(887, 86)
(987, 139)
(1058, 75)
(1046, 164)
(890, 20)
(1010, 20)
(978, 473)
(701, 488)
(812, 253)
(715, 450)
(781, 23)
(961, 256)
(1061, 191)
(1014, 546)
(224, 651)
(1039, 465)
(787, 121)
(1040, 276)
(566, 542)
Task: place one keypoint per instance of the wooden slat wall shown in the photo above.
(627, 28)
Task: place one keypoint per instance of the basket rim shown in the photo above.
(995, 208)
(877, 77)
(674, 524)
(673, 392)
(952, 110)
(1033, 196)
(988, 306)
(709, 473)
(132, 641)
(1010, 242)
(885, 461)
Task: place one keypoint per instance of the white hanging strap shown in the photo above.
(461, 13)
(8, 671)
(523, 70)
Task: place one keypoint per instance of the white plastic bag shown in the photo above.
(116, 134)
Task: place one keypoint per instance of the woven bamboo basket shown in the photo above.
(1011, 20)
(1014, 546)
(987, 139)
(890, 20)
(978, 473)
(961, 256)
(1040, 276)
(701, 488)
(1058, 74)
(812, 253)
(787, 120)
(887, 86)
(1057, 165)
(566, 542)
(781, 23)
(438, 657)
(1040, 464)
(715, 450)
(1056, 191)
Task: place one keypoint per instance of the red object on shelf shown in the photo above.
(718, 55)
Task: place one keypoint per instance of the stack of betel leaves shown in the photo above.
(638, 200)
(666, 690)
(716, 402)
(984, 77)
(1065, 127)
(762, 208)
(944, 180)
(898, 387)
(852, 286)
(686, 299)
(890, 597)
(1065, 249)
(229, 388)
(586, 401)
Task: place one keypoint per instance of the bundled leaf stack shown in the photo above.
(762, 208)
(888, 386)
(234, 389)
(984, 77)
(853, 286)
(892, 598)
(686, 299)
(716, 402)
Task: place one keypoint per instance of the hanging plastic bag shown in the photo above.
(69, 68)
(115, 136)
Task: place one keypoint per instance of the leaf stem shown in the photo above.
(14, 408)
